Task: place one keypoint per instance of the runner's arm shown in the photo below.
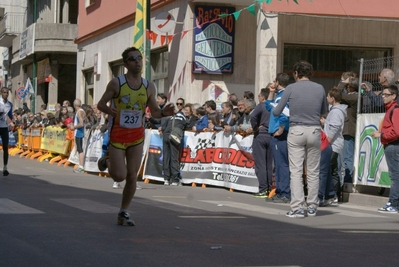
(110, 92)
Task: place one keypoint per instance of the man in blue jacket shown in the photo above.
(278, 129)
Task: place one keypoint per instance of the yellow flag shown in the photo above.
(140, 25)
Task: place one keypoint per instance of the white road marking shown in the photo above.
(274, 211)
(212, 217)
(369, 232)
(8, 206)
(87, 205)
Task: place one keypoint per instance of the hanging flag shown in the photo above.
(140, 25)
(28, 89)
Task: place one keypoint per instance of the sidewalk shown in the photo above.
(368, 196)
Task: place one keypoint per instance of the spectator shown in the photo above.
(389, 137)
(91, 118)
(50, 120)
(278, 129)
(180, 104)
(171, 151)
(78, 126)
(43, 109)
(345, 79)
(210, 107)
(227, 111)
(233, 99)
(249, 95)
(214, 123)
(202, 122)
(66, 103)
(188, 112)
(261, 150)
(330, 186)
(63, 115)
(243, 124)
(368, 97)
(161, 100)
(350, 99)
(307, 102)
(155, 123)
(25, 108)
(194, 109)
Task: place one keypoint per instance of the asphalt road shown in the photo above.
(50, 216)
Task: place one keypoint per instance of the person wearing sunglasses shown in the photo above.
(180, 104)
(5, 120)
(389, 137)
(129, 95)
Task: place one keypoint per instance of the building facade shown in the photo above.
(197, 55)
(43, 50)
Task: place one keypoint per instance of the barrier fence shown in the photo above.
(207, 158)
(370, 165)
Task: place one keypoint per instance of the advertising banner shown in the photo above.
(54, 140)
(213, 40)
(371, 167)
(216, 159)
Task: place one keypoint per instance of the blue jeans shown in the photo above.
(281, 165)
(348, 157)
(326, 185)
(392, 157)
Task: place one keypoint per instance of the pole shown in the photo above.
(359, 98)
(148, 41)
(34, 64)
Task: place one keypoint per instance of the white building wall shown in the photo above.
(194, 88)
(110, 47)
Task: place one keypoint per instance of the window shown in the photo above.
(331, 59)
(89, 2)
(159, 69)
(89, 87)
(117, 68)
(330, 62)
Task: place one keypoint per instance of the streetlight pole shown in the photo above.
(34, 64)
(148, 41)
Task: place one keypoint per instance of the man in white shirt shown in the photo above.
(5, 120)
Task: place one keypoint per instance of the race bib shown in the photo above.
(130, 119)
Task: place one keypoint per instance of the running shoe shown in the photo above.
(124, 219)
(102, 163)
(5, 172)
(116, 185)
(138, 187)
(166, 182)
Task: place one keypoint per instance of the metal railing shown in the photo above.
(370, 101)
(12, 23)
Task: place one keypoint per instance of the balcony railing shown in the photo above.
(12, 23)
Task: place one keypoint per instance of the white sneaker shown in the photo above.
(79, 170)
(138, 186)
(116, 185)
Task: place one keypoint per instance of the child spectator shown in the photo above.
(203, 120)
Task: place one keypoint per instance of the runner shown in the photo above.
(129, 94)
(5, 120)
